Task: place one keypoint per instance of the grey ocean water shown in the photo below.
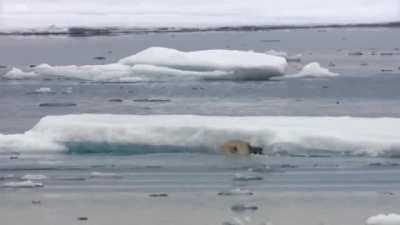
(113, 187)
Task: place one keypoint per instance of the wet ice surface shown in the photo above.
(293, 190)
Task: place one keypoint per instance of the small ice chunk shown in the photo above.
(43, 90)
(23, 184)
(104, 175)
(260, 169)
(246, 177)
(383, 219)
(313, 70)
(289, 58)
(17, 74)
(34, 177)
(277, 53)
(68, 90)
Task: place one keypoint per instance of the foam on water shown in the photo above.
(176, 133)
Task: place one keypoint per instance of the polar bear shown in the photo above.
(239, 147)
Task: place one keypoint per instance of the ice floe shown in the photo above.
(34, 177)
(313, 70)
(17, 74)
(342, 135)
(158, 63)
(383, 219)
(22, 184)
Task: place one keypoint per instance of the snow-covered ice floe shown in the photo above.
(101, 132)
(17, 74)
(157, 63)
(80, 17)
(22, 184)
(383, 219)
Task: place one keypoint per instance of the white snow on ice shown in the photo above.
(157, 63)
(373, 136)
(383, 219)
(59, 15)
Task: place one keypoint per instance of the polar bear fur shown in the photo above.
(239, 147)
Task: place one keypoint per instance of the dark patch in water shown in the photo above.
(115, 100)
(152, 100)
(58, 104)
(161, 195)
(99, 58)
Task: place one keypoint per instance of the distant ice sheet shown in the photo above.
(58, 16)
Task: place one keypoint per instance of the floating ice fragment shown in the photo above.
(17, 74)
(383, 219)
(34, 177)
(104, 175)
(23, 184)
(313, 70)
(43, 90)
